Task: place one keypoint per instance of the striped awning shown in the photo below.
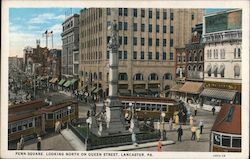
(97, 90)
(62, 81)
(73, 81)
(209, 67)
(67, 84)
(154, 90)
(50, 81)
(218, 93)
(140, 91)
(124, 92)
(221, 69)
(54, 80)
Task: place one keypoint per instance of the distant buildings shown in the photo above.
(222, 57)
(17, 62)
(147, 39)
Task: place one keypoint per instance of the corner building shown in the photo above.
(147, 40)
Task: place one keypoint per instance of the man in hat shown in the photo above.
(39, 143)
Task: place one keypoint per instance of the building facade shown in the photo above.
(222, 59)
(70, 43)
(147, 39)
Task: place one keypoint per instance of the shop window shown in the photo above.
(236, 142)
(50, 116)
(217, 139)
(153, 76)
(226, 141)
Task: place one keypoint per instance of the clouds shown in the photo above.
(46, 18)
(57, 29)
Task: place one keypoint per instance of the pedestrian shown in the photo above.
(21, 142)
(180, 133)
(195, 110)
(39, 143)
(197, 133)
(133, 137)
(193, 131)
(213, 110)
(201, 126)
(159, 146)
(191, 120)
(18, 146)
(170, 123)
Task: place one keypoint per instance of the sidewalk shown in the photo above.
(73, 140)
(205, 107)
(133, 147)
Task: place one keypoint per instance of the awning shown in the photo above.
(54, 80)
(176, 88)
(67, 83)
(93, 89)
(221, 69)
(209, 67)
(140, 91)
(124, 92)
(218, 93)
(214, 70)
(62, 81)
(192, 87)
(97, 90)
(154, 90)
(50, 81)
(73, 81)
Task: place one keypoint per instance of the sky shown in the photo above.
(26, 25)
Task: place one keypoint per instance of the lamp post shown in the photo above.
(69, 108)
(163, 114)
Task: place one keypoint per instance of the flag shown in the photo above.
(45, 33)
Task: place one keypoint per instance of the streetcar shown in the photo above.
(151, 108)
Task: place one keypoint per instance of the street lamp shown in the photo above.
(89, 122)
(69, 108)
(163, 114)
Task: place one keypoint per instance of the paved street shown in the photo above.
(187, 144)
(50, 142)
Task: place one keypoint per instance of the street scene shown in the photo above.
(125, 79)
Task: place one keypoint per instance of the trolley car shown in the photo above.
(151, 108)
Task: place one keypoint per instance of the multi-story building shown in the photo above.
(147, 40)
(222, 57)
(16, 61)
(54, 65)
(70, 43)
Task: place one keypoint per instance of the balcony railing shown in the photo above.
(222, 36)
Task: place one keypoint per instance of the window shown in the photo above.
(150, 55)
(164, 15)
(120, 25)
(171, 56)
(123, 76)
(150, 28)
(157, 28)
(120, 40)
(120, 11)
(164, 29)
(192, 16)
(134, 55)
(135, 41)
(125, 11)
(168, 76)
(217, 139)
(120, 54)
(171, 42)
(135, 26)
(226, 141)
(107, 55)
(153, 76)
(171, 29)
(142, 13)
(164, 56)
(239, 53)
(108, 11)
(215, 53)
(164, 42)
(138, 77)
(135, 12)
(172, 16)
(157, 15)
(157, 42)
(142, 41)
(157, 55)
(125, 25)
(108, 24)
(125, 55)
(142, 55)
(142, 27)
(222, 53)
(150, 41)
(150, 14)
(125, 39)
(236, 141)
(50, 116)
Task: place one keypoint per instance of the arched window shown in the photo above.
(215, 70)
(123, 76)
(200, 68)
(208, 70)
(189, 67)
(236, 71)
(194, 68)
(221, 70)
(167, 76)
(95, 76)
(152, 77)
(138, 77)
